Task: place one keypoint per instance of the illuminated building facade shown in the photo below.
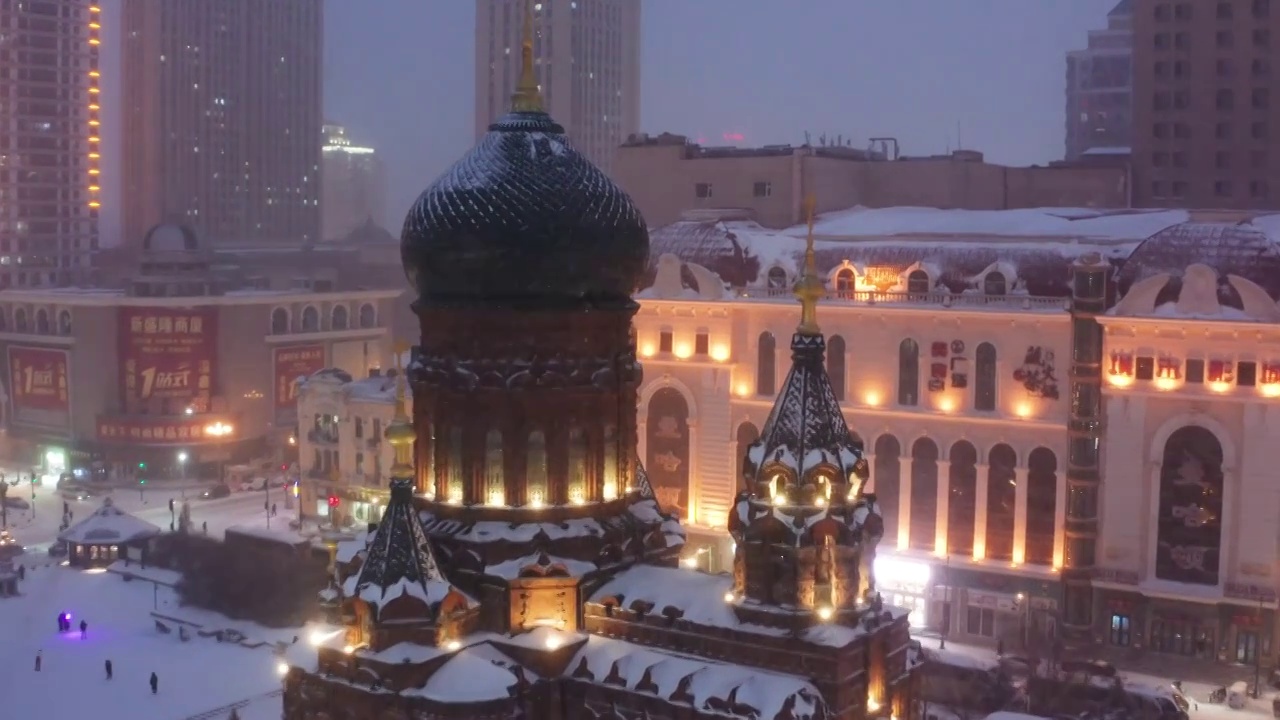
(354, 185)
(189, 357)
(1016, 418)
(587, 60)
(49, 104)
(222, 115)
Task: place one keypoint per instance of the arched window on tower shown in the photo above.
(766, 356)
(918, 282)
(64, 322)
(495, 491)
(310, 319)
(368, 316)
(536, 470)
(995, 283)
(338, 320)
(610, 482)
(984, 380)
(20, 320)
(835, 365)
(777, 280)
(42, 321)
(279, 321)
(845, 283)
(577, 466)
(908, 373)
(455, 495)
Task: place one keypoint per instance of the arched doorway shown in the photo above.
(924, 495)
(1189, 523)
(1042, 502)
(747, 434)
(667, 444)
(1002, 501)
(963, 499)
(885, 484)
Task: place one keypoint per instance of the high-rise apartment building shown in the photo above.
(221, 118)
(1205, 117)
(1100, 87)
(587, 58)
(49, 177)
(354, 185)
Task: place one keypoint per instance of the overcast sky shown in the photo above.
(934, 73)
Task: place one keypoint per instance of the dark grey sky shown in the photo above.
(399, 74)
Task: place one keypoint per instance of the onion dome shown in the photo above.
(523, 218)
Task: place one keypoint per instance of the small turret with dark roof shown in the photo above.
(805, 454)
(805, 534)
(399, 579)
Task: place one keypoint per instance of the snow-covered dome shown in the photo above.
(1246, 250)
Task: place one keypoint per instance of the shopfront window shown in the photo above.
(1246, 646)
(1179, 637)
(981, 621)
(1121, 629)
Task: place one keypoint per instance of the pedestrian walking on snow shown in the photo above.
(108, 666)
(39, 659)
(84, 629)
(155, 683)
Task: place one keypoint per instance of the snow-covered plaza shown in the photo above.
(198, 678)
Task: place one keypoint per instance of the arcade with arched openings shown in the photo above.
(959, 518)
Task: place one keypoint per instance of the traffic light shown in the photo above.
(142, 481)
(142, 466)
(333, 501)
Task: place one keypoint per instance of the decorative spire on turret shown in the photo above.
(809, 288)
(527, 97)
(400, 433)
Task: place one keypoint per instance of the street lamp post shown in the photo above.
(182, 467)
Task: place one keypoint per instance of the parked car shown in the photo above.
(16, 503)
(257, 483)
(216, 491)
(58, 548)
(77, 493)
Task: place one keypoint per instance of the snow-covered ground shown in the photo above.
(195, 677)
(1196, 691)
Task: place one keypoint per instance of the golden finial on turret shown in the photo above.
(527, 97)
(400, 433)
(809, 288)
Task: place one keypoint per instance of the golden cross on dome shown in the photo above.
(809, 288)
(527, 97)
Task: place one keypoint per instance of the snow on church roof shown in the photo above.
(700, 597)
(399, 560)
(474, 674)
(109, 525)
(806, 427)
(710, 686)
(1080, 223)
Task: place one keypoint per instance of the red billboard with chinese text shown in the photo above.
(150, 430)
(291, 363)
(167, 354)
(40, 386)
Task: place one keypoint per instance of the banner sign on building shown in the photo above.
(291, 363)
(146, 430)
(167, 354)
(40, 386)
